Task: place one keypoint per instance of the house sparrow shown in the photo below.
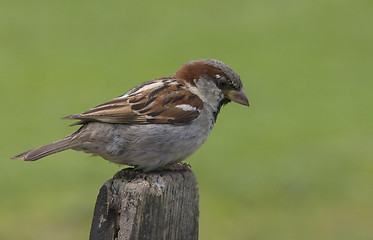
(157, 123)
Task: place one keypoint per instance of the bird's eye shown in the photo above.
(222, 81)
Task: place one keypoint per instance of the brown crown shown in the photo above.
(194, 70)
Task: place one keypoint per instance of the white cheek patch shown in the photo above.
(186, 107)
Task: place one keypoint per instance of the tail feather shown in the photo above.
(43, 151)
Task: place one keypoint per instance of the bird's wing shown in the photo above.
(158, 101)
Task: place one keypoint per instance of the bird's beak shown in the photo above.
(238, 96)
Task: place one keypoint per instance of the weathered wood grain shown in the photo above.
(156, 205)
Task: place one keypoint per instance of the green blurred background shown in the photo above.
(297, 164)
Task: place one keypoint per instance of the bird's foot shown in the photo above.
(176, 167)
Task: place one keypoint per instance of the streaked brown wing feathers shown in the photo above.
(157, 101)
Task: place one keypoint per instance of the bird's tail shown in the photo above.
(43, 151)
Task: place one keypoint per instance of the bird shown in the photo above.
(156, 124)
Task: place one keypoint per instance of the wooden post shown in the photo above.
(155, 205)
